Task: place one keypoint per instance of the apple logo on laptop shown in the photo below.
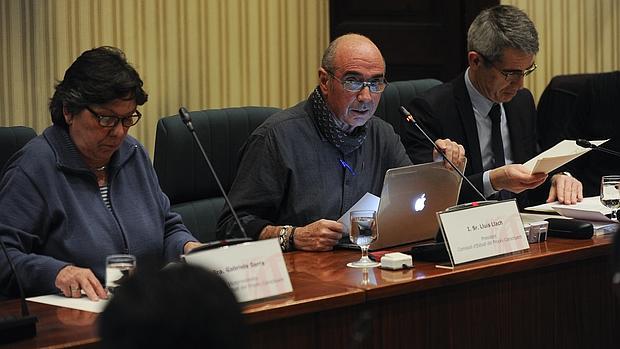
(419, 203)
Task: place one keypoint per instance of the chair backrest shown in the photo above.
(399, 93)
(556, 106)
(594, 117)
(12, 139)
(183, 173)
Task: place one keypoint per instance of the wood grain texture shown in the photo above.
(556, 295)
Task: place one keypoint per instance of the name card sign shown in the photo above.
(484, 231)
(253, 270)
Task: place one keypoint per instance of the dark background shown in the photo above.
(418, 38)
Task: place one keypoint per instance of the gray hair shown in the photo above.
(501, 27)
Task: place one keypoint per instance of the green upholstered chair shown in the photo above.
(12, 138)
(399, 93)
(183, 173)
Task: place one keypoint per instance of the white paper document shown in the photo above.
(557, 156)
(367, 202)
(590, 209)
(74, 303)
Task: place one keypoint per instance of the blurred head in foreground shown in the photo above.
(178, 307)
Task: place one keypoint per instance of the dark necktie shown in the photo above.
(497, 146)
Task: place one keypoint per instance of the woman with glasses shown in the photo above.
(84, 189)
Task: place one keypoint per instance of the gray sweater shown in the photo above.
(290, 174)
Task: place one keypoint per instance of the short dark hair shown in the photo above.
(96, 77)
(501, 27)
(182, 306)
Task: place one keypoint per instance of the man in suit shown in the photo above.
(487, 110)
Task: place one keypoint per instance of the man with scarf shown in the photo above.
(307, 165)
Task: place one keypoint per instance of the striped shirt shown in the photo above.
(104, 195)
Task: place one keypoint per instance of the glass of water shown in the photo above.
(610, 193)
(363, 233)
(118, 267)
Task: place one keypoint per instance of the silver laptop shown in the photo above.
(410, 198)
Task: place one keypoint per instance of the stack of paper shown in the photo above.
(590, 209)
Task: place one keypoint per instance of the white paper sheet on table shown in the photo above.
(600, 228)
(74, 303)
(590, 209)
(557, 156)
(367, 202)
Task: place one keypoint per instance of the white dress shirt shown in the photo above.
(482, 106)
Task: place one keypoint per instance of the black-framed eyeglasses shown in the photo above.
(353, 85)
(113, 120)
(511, 75)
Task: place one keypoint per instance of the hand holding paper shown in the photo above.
(515, 178)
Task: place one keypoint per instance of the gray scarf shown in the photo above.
(345, 142)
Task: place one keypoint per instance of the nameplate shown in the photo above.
(482, 231)
(253, 270)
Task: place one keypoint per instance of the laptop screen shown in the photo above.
(410, 198)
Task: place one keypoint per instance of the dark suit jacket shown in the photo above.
(445, 111)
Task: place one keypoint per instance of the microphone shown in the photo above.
(17, 328)
(584, 143)
(410, 118)
(187, 120)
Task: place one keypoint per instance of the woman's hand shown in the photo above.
(71, 280)
(190, 246)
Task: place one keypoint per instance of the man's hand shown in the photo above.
(565, 189)
(71, 280)
(515, 178)
(452, 151)
(321, 235)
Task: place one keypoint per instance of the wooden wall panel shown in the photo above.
(576, 36)
(223, 53)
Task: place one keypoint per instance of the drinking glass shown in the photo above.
(118, 267)
(363, 233)
(610, 193)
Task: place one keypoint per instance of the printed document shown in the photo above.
(558, 155)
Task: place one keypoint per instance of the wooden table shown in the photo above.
(556, 295)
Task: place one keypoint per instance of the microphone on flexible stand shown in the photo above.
(437, 251)
(17, 328)
(187, 120)
(410, 118)
(584, 143)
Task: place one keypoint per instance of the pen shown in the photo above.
(347, 166)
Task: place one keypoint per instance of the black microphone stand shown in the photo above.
(410, 118)
(17, 328)
(584, 143)
(187, 120)
(437, 251)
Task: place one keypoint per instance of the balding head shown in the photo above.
(351, 57)
(349, 44)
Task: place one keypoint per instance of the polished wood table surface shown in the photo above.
(557, 295)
